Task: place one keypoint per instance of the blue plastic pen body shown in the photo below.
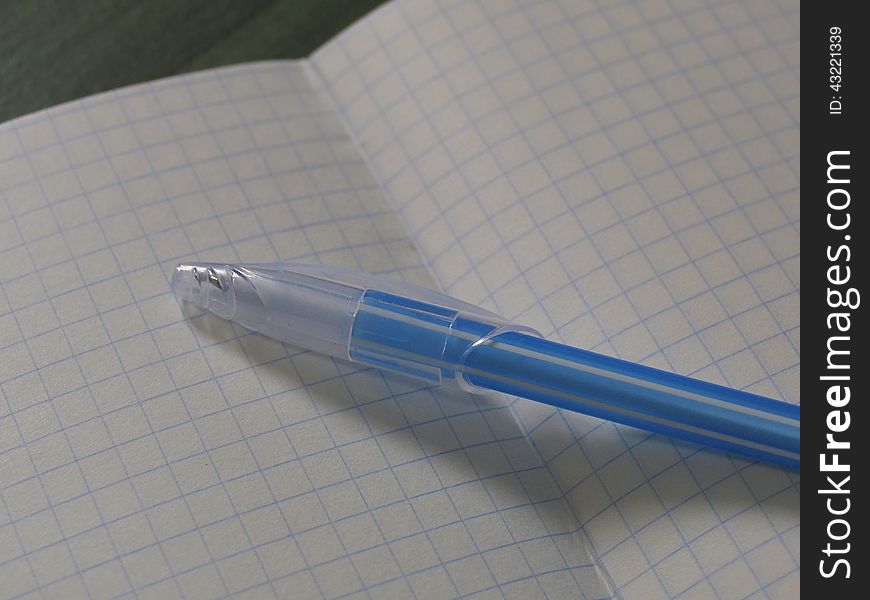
(428, 341)
(400, 327)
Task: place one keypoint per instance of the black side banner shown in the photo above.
(835, 426)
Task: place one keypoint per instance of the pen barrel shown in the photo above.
(639, 396)
(445, 345)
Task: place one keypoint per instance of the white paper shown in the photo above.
(623, 179)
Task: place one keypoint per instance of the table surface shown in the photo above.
(52, 51)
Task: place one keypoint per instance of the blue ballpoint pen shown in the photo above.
(415, 331)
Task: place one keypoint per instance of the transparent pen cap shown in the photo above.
(309, 306)
(301, 308)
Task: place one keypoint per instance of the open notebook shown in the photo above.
(621, 176)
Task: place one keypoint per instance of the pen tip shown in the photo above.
(207, 285)
(187, 285)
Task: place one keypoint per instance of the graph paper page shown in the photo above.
(152, 453)
(622, 176)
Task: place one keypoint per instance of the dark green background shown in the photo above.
(52, 51)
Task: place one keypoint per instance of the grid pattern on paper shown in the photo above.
(150, 453)
(623, 176)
